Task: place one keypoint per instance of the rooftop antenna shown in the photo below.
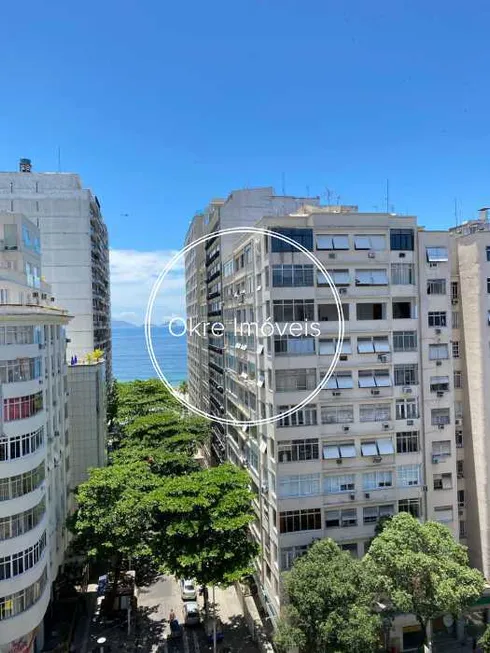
(387, 196)
(59, 158)
(307, 191)
(283, 179)
(328, 195)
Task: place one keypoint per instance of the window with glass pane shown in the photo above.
(406, 409)
(437, 319)
(337, 414)
(408, 475)
(440, 416)
(436, 287)
(407, 442)
(406, 374)
(458, 379)
(412, 506)
(402, 239)
(402, 274)
(339, 484)
(441, 448)
(404, 340)
(438, 352)
(348, 517)
(375, 412)
(305, 416)
(455, 348)
(339, 380)
(340, 277)
(302, 236)
(371, 278)
(332, 241)
(436, 254)
(373, 242)
(328, 346)
(439, 383)
(377, 480)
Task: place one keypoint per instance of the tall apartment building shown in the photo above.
(34, 437)
(74, 243)
(402, 425)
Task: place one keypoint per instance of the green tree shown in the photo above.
(422, 570)
(183, 387)
(161, 461)
(138, 398)
(381, 523)
(176, 433)
(201, 525)
(484, 641)
(330, 607)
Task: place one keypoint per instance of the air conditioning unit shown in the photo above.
(409, 422)
(438, 332)
(386, 426)
(407, 390)
(346, 428)
(382, 358)
(336, 393)
(441, 426)
(454, 302)
(352, 497)
(438, 363)
(377, 459)
(435, 460)
(35, 294)
(460, 511)
(342, 291)
(401, 255)
(339, 461)
(332, 255)
(44, 296)
(374, 392)
(458, 422)
(265, 488)
(440, 393)
(371, 255)
(343, 357)
(367, 495)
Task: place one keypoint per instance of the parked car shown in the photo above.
(191, 613)
(188, 590)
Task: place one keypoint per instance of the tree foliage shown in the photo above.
(138, 398)
(330, 608)
(484, 641)
(422, 570)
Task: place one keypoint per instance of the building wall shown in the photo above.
(88, 419)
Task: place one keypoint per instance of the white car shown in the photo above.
(188, 590)
(191, 613)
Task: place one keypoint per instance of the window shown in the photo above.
(350, 547)
(371, 278)
(437, 319)
(293, 310)
(487, 249)
(461, 499)
(462, 528)
(404, 340)
(440, 416)
(328, 346)
(339, 277)
(407, 374)
(292, 521)
(375, 412)
(294, 345)
(458, 409)
(332, 241)
(455, 320)
(402, 274)
(407, 409)
(289, 555)
(408, 475)
(443, 514)
(377, 480)
(341, 518)
(300, 485)
(378, 447)
(303, 237)
(18, 563)
(293, 380)
(298, 450)
(22, 407)
(412, 506)
(488, 285)
(438, 352)
(339, 380)
(14, 604)
(338, 484)
(436, 254)
(439, 383)
(401, 239)
(407, 442)
(460, 468)
(371, 514)
(459, 439)
(15, 525)
(337, 414)
(374, 378)
(20, 445)
(370, 311)
(16, 486)
(374, 344)
(458, 380)
(20, 369)
(305, 416)
(442, 481)
(377, 243)
(402, 310)
(329, 312)
(288, 276)
(436, 287)
(336, 451)
(441, 448)
(455, 348)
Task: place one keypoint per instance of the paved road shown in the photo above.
(155, 603)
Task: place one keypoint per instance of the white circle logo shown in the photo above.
(226, 232)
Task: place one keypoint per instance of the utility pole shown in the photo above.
(214, 623)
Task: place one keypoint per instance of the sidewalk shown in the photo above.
(235, 627)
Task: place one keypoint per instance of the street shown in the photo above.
(157, 600)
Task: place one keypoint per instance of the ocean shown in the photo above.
(130, 359)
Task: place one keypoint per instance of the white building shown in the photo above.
(402, 425)
(34, 444)
(74, 243)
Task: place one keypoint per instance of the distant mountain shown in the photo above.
(120, 324)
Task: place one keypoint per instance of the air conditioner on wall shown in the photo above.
(342, 291)
(332, 255)
(371, 255)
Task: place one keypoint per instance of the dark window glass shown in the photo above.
(302, 236)
(401, 239)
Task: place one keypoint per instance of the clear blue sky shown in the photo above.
(162, 105)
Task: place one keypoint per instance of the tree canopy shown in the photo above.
(422, 570)
(329, 606)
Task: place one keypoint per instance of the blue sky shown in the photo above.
(161, 106)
